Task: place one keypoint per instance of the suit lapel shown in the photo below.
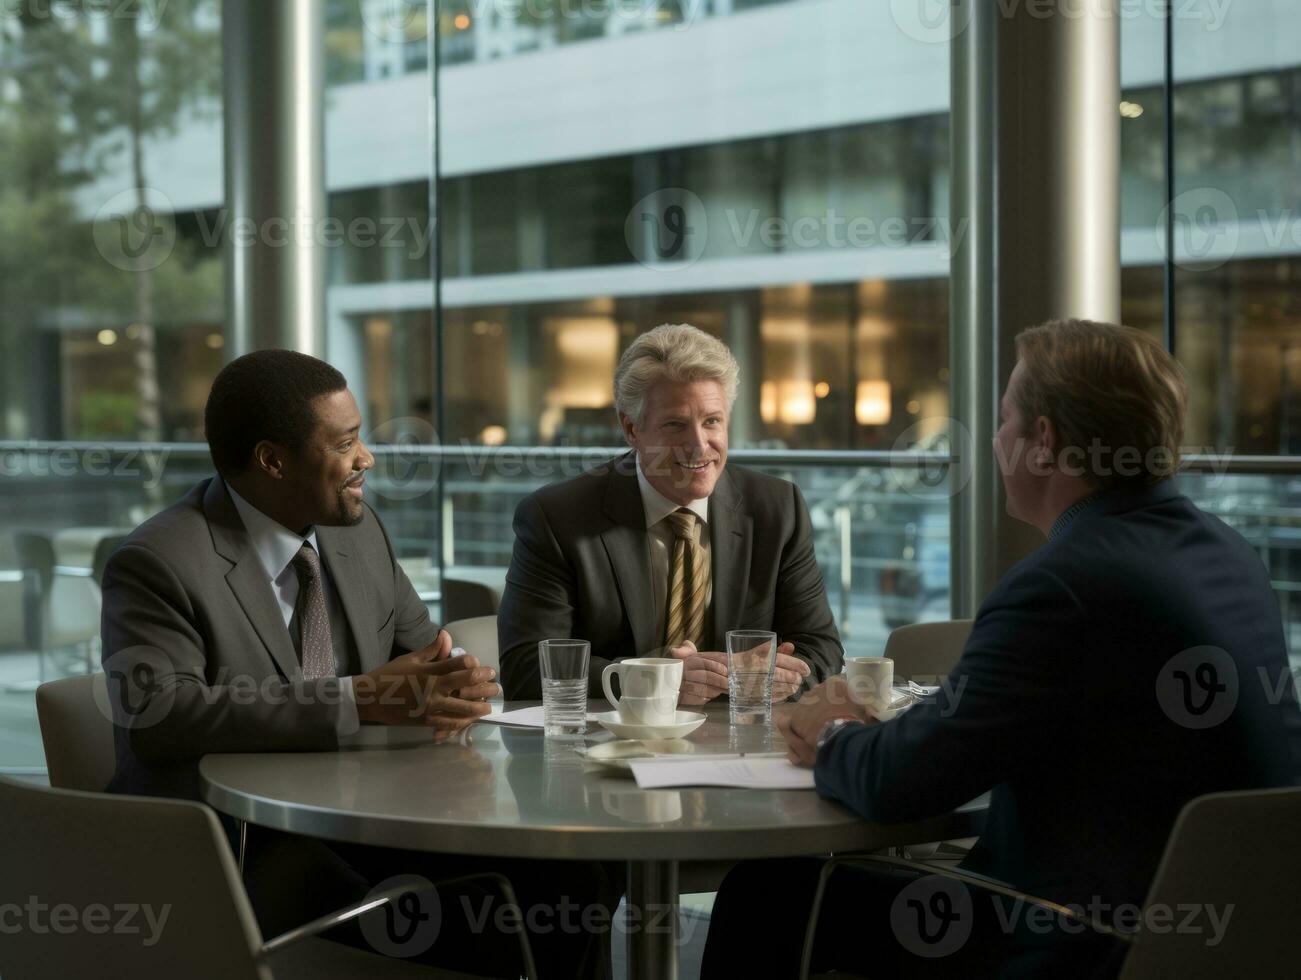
(351, 591)
(247, 578)
(731, 532)
(628, 548)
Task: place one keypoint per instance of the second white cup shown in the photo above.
(871, 681)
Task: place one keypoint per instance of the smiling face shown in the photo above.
(323, 480)
(681, 438)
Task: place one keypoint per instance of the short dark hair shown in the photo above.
(267, 394)
(1105, 386)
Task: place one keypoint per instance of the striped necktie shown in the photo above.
(688, 582)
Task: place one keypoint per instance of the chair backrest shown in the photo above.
(119, 886)
(35, 553)
(479, 637)
(77, 732)
(1233, 859)
(926, 651)
(471, 592)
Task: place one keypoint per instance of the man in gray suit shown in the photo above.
(665, 549)
(266, 610)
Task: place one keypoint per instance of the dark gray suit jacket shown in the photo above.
(196, 649)
(581, 568)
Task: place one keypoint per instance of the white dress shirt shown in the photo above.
(661, 537)
(276, 546)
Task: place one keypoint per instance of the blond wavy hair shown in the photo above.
(673, 352)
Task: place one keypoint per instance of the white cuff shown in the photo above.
(348, 722)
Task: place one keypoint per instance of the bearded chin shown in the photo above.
(347, 516)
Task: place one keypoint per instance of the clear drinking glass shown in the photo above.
(563, 666)
(751, 657)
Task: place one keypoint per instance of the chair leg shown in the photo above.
(243, 844)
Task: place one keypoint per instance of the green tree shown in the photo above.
(84, 89)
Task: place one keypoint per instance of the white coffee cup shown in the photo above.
(659, 710)
(650, 688)
(871, 681)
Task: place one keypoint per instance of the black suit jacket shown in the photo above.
(186, 600)
(581, 568)
(1067, 703)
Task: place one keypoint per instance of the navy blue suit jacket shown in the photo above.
(1068, 706)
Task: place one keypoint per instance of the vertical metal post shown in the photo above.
(975, 502)
(1036, 178)
(844, 524)
(274, 86)
(652, 909)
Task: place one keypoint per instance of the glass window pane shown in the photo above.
(111, 306)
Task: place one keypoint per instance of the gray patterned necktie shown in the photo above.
(315, 646)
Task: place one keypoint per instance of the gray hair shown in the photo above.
(672, 352)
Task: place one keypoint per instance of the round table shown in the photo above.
(512, 792)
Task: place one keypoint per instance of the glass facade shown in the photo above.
(582, 176)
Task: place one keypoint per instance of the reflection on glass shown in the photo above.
(1236, 215)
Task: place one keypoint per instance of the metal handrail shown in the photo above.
(1195, 463)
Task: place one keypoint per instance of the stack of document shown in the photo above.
(746, 772)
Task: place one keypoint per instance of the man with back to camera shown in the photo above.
(667, 548)
(1065, 705)
(267, 611)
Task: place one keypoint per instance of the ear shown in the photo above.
(270, 459)
(629, 430)
(1045, 433)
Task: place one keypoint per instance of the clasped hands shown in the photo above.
(427, 687)
(704, 674)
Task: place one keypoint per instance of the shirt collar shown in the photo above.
(657, 506)
(1072, 512)
(274, 543)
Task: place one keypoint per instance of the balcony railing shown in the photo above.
(881, 519)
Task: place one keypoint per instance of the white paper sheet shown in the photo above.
(523, 717)
(745, 773)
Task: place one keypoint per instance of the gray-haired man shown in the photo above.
(667, 548)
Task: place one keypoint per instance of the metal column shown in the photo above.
(652, 906)
(274, 87)
(1036, 190)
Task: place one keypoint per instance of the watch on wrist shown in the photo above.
(832, 728)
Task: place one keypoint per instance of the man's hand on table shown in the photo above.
(800, 724)
(427, 687)
(788, 674)
(704, 675)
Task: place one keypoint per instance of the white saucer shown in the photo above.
(614, 755)
(684, 723)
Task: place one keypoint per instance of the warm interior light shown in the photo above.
(872, 405)
(768, 402)
(107, 337)
(796, 402)
(588, 349)
(790, 402)
(493, 435)
(822, 389)
(215, 341)
(462, 21)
